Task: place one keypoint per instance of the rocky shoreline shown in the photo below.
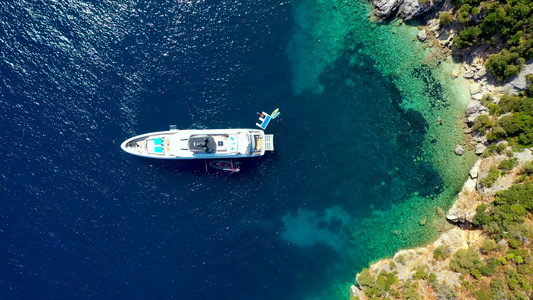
(482, 84)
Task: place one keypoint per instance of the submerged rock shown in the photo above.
(455, 74)
(459, 150)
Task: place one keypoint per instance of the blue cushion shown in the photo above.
(158, 141)
(158, 149)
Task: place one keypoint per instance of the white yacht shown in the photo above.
(200, 143)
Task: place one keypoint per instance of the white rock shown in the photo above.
(474, 107)
(523, 156)
(469, 74)
(482, 72)
(475, 88)
(406, 9)
(475, 169)
(383, 8)
(480, 148)
(479, 138)
(422, 35)
(477, 96)
(410, 9)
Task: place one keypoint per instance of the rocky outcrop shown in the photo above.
(464, 208)
(405, 9)
(473, 110)
(406, 262)
(519, 83)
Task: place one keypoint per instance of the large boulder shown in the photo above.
(410, 9)
(422, 35)
(475, 107)
(475, 88)
(384, 8)
(405, 9)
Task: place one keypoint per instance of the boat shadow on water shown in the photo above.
(202, 167)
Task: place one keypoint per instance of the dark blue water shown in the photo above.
(82, 219)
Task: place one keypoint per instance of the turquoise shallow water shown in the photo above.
(401, 165)
(359, 158)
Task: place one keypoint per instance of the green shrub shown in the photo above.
(400, 259)
(490, 179)
(488, 246)
(481, 122)
(494, 109)
(518, 194)
(497, 286)
(464, 260)
(385, 280)
(508, 164)
(409, 291)
(441, 253)
(432, 280)
(490, 268)
(463, 13)
(445, 18)
(514, 243)
(511, 124)
(467, 38)
(365, 278)
(503, 65)
(483, 294)
(447, 292)
(509, 103)
(392, 265)
(419, 274)
(476, 273)
(496, 134)
(521, 178)
(528, 167)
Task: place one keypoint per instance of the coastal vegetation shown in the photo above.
(510, 119)
(506, 25)
(499, 265)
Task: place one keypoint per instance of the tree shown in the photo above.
(445, 18)
(463, 14)
(441, 253)
(491, 178)
(467, 38)
(464, 260)
(505, 64)
(488, 246)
